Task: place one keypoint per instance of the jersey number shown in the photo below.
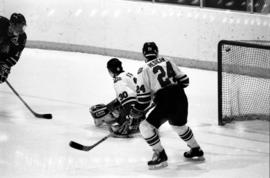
(123, 95)
(164, 75)
(140, 89)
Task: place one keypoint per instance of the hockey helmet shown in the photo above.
(17, 23)
(114, 65)
(17, 18)
(150, 50)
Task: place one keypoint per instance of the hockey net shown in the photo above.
(243, 81)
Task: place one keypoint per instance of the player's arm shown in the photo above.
(15, 50)
(143, 95)
(4, 44)
(181, 78)
(4, 48)
(143, 90)
(4, 23)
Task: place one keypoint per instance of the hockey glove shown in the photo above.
(120, 131)
(113, 105)
(135, 117)
(4, 72)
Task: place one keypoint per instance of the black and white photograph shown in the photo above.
(134, 88)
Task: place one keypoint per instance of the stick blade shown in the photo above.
(47, 116)
(78, 146)
(44, 116)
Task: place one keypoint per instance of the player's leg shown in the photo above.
(178, 120)
(149, 131)
(186, 134)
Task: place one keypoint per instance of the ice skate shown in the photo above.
(159, 160)
(195, 154)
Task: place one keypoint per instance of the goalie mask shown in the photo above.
(150, 51)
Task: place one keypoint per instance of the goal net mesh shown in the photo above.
(243, 80)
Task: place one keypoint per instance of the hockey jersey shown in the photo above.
(125, 88)
(155, 75)
(11, 45)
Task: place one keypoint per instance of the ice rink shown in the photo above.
(66, 84)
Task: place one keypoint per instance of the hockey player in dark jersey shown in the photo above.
(162, 82)
(12, 42)
(114, 115)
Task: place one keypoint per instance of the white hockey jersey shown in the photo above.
(125, 88)
(157, 74)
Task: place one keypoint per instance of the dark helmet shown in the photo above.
(150, 50)
(115, 66)
(17, 18)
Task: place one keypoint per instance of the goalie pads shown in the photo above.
(120, 131)
(99, 111)
(114, 117)
(100, 114)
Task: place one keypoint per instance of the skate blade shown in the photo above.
(158, 166)
(196, 158)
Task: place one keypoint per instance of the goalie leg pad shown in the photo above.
(99, 111)
(100, 114)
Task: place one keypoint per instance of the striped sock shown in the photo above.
(154, 142)
(188, 137)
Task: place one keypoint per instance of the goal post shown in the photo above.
(243, 80)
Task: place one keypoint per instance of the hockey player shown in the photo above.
(12, 42)
(162, 82)
(114, 114)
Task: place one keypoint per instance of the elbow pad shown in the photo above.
(183, 81)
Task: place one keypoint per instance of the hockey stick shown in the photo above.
(44, 116)
(81, 147)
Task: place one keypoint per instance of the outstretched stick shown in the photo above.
(44, 116)
(81, 147)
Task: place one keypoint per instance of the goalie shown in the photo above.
(114, 115)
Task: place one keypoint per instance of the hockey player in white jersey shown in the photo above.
(162, 82)
(114, 115)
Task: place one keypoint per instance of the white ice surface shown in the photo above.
(66, 84)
